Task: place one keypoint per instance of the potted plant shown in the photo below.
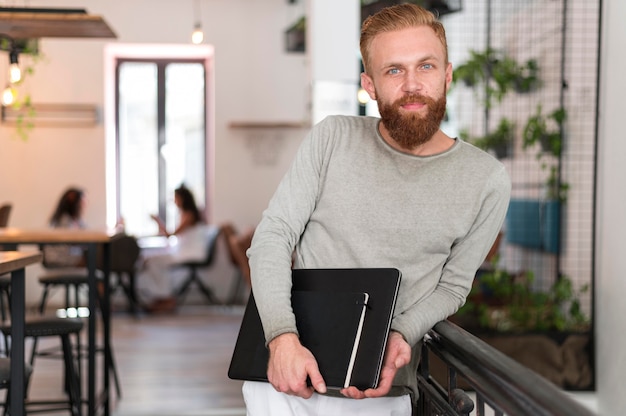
(295, 36)
(505, 302)
(546, 131)
(527, 78)
(500, 141)
(498, 73)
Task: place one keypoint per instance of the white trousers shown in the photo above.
(262, 400)
(155, 280)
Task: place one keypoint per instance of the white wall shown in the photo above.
(255, 80)
(611, 221)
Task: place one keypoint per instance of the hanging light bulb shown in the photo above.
(15, 73)
(8, 96)
(198, 35)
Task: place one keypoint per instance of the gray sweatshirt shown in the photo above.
(351, 200)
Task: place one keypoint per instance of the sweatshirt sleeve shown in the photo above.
(279, 230)
(465, 257)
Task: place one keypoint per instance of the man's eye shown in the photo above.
(394, 71)
(427, 66)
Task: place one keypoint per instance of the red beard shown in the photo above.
(411, 130)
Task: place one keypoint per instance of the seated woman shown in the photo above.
(187, 242)
(68, 213)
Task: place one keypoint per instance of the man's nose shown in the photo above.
(412, 82)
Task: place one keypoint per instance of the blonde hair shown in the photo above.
(398, 17)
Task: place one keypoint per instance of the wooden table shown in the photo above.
(12, 237)
(15, 263)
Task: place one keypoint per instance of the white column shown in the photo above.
(333, 28)
(611, 227)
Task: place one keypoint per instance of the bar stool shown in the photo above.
(71, 280)
(62, 328)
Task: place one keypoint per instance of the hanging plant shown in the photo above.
(546, 131)
(498, 73)
(22, 103)
(296, 36)
(500, 141)
(527, 79)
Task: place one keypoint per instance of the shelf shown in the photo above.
(52, 115)
(268, 125)
(21, 23)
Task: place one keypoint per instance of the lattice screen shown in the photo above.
(542, 234)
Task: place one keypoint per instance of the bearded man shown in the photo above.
(365, 192)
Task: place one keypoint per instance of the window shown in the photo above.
(160, 139)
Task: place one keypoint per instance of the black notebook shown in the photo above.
(347, 338)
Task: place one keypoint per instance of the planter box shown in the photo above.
(534, 224)
(565, 359)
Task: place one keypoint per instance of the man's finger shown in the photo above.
(317, 381)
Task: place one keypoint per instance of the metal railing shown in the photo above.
(501, 383)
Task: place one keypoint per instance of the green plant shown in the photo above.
(547, 132)
(498, 73)
(507, 302)
(26, 48)
(499, 141)
(556, 189)
(527, 79)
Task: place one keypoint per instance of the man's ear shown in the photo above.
(368, 85)
(448, 76)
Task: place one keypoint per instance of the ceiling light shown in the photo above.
(197, 36)
(15, 73)
(8, 96)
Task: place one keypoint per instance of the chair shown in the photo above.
(63, 328)
(70, 279)
(5, 380)
(124, 253)
(195, 266)
(5, 280)
(5, 296)
(5, 211)
(237, 245)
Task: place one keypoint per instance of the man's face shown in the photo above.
(409, 78)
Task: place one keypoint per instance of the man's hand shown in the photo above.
(289, 366)
(398, 355)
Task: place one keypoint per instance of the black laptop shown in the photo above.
(350, 309)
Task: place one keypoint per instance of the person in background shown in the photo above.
(67, 214)
(188, 242)
(393, 191)
(189, 213)
(69, 210)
